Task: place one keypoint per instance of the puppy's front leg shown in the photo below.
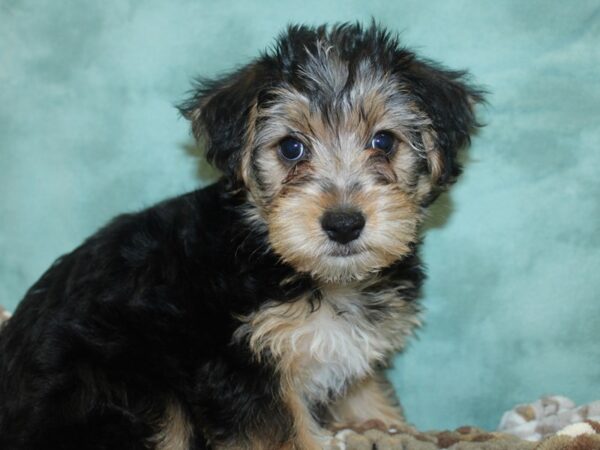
(308, 434)
(283, 423)
(371, 398)
(305, 434)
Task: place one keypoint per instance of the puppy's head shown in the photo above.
(341, 138)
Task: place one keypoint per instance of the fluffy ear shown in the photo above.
(449, 101)
(219, 111)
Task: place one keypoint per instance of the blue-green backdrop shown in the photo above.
(88, 130)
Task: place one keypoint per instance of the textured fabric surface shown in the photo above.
(547, 416)
(88, 130)
(583, 436)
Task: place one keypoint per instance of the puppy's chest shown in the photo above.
(322, 348)
(336, 344)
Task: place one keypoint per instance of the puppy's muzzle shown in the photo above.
(343, 226)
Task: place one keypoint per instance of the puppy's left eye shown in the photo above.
(383, 141)
(291, 149)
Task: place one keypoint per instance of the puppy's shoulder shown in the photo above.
(133, 252)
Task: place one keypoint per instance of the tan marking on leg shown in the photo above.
(308, 435)
(175, 429)
(370, 398)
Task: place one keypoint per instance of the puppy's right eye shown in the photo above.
(291, 149)
(383, 141)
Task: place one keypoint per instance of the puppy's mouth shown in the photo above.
(343, 251)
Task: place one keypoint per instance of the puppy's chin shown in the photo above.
(343, 265)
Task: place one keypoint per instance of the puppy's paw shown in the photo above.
(335, 442)
(375, 424)
(373, 439)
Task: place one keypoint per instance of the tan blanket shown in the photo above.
(581, 436)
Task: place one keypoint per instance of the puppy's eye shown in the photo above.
(383, 141)
(291, 149)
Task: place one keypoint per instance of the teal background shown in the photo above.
(88, 130)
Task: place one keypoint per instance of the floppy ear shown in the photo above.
(449, 101)
(219, 111)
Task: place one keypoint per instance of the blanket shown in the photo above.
(550, 423)
(580, 436)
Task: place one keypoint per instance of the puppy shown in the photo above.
(257, 312)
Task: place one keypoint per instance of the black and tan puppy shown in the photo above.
(256, 312)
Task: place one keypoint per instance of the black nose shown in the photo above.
(343, 226)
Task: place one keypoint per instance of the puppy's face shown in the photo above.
(334, 172)
(340, 139)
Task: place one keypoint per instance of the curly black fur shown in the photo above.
(144, 311)
(141, 312)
